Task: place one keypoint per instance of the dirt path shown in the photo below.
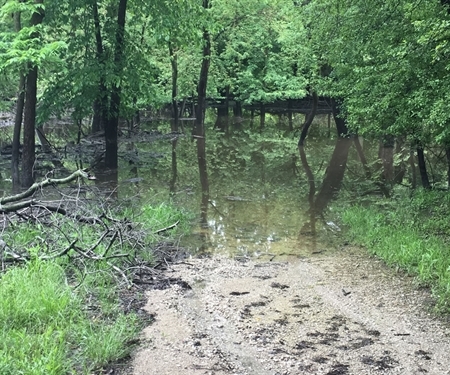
(338, 314)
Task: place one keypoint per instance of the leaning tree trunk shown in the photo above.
(15, 173)
(309, 119)
(28, 156)
(111, 157)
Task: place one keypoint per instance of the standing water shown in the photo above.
(266, 197)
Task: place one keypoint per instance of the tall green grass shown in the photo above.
(409, 233)
(48, 327)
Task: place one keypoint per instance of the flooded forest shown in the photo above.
(138, 137)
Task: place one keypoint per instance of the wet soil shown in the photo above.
(344, 313)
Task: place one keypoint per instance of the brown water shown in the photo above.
(266, 197)
(260, 201)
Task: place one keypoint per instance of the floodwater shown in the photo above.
(265, 198)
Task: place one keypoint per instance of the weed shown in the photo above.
(410, 233)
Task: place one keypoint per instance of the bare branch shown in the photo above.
(39, 185)
(63, 252)
(159, 231)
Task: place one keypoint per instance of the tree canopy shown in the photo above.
(385, 61)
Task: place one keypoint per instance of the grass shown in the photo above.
(411, 234)
(46, 328)
(49, 326)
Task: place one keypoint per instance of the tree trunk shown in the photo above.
(199, 122)
(262, 115)
(174, 64)
(412, 164)
(100, 105)
(309, 119)
(15, 173)
(387, 158)
(28, 156)
(111, 157)
(16, 136)
(237, 109)
(222, 119)
(291, 124)
(341, 126)
(422, 168)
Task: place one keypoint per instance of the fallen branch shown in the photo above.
(63, 252)
(60, 210)
(39, 185)
(110, 244)
(128, 282)
(166, 228)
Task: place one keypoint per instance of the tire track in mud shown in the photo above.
(337, 314)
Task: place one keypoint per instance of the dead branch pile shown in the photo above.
(78, 223)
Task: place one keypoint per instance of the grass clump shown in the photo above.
(409, 233)
(46, 329)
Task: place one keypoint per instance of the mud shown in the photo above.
(335, 314)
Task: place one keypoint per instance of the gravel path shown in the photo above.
(343, 313)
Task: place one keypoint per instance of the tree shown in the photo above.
(261, 51)
(23, 53)
(15, 173)
(387, 63)
(28, 155)
(111, 158)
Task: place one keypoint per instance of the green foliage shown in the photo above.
(46, 330)
(260, 55)
(385, 63)
(387, 60)
(412, 234)
(29, 46)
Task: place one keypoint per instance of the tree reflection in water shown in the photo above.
(329, 188)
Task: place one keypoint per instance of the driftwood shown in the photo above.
(39, 185)
(16, 202)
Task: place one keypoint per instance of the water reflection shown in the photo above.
(174, 142)
(200, 137)
(256, 194)
(263, 222)
(329, 189)
(334, 175)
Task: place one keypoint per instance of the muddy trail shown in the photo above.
(344, 313)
